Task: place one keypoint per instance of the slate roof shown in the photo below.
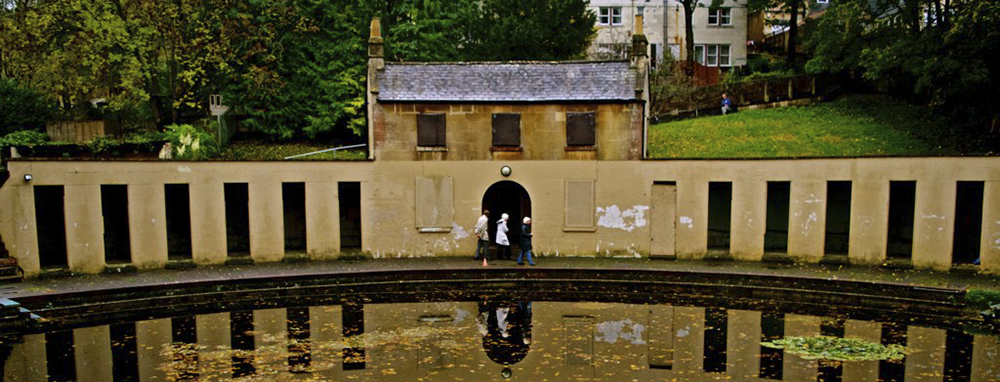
(507, 81)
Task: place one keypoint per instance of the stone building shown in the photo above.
(720, 34)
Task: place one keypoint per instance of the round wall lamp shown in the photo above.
(27, 177)
(505, 170)
(506, 373)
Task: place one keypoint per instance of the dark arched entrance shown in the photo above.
(506, 197)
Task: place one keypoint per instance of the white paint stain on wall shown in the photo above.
(458, 232)
(183, 169)
(996, 236)
(807, 226)
(627, 220)
(686, 221)
(812, 199)
(626, 330)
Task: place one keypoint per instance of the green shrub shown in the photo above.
(982, 298)
(190, 142)
(22, 108)
(23, 138)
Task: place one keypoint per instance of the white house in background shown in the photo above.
(720, 35)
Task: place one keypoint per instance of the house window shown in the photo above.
(506, 129)
(822, 1)
(724, 55)
(712, 55)
(721, 16)
(580, 129)
(609, 16)
(430, 129)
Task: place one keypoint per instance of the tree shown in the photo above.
(794, 8)
(21, 108)
(530, 30)
(940, 54)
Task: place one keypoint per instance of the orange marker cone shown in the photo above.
(484, 262)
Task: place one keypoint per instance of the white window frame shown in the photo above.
(722, 16)
(699, 54)
(609, 16)
(722, 56)
(725, 59)
(822, 1)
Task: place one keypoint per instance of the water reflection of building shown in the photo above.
(440, 341)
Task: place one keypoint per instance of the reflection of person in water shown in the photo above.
(506, 329)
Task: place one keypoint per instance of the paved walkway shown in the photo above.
(37, 287)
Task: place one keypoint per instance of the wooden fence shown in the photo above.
(742, 93)
(79, 131)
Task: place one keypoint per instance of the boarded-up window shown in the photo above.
(506, 129)
(579, 204)
(434, 204)
(430, 129)
(580, 129)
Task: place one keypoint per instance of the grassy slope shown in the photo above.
(851, 126)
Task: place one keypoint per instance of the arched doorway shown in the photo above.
(507, 197)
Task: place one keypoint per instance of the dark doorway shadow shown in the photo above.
(507, 197)
(506, 330)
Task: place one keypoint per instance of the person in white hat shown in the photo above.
(503, 253)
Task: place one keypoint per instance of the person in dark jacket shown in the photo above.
(525, 242)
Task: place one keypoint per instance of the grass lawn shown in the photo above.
(263, 150)
(852, 126)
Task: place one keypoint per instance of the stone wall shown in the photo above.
(623, 206)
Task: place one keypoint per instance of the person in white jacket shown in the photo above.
(503, 253)
(483, 236)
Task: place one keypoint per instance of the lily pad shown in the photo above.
(838, 349)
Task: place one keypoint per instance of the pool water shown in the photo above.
(492, 341)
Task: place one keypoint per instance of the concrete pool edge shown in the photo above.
(127, 297)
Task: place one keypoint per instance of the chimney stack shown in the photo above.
(375, 46)
(639, 41)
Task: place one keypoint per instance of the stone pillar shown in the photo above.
(368, 211)
(743, 344)
(92, 354)
(748, 220)
(27, 360)
(208, 222)
(270, 328)
(84, 228)
(692, 219)
(807, 221)
(24, 245)
(325, 332)
(214, 344)
(797, 368)
(152, 337)
(147, 220)
(926, 363)
(322, 220)
(862, 371)
(985, 358)
(267, 224)
(934, 224)
(869, 221)
(689, 350)
(989, 248)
